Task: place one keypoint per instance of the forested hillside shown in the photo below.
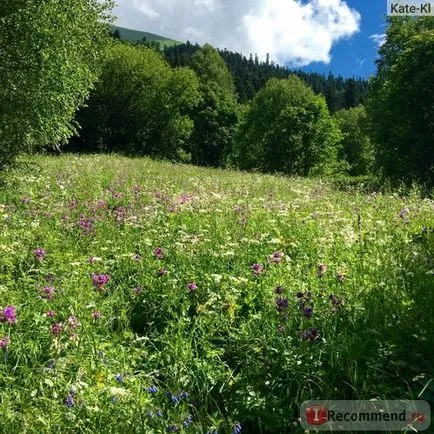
(250, 75)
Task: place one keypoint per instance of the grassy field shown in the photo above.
(145, 297)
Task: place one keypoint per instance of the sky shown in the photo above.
(338, 36)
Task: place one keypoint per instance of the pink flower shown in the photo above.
(192, 286)
(50, 313)
(96, 314)
(4, 342)
(257, 269)
(56, 329)
(9, 315)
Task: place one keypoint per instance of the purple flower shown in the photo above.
(4, 342)
(310, 335)
(137, 257)
(161, 272)
(48, 292)
(282, 303)
(138, 290)
(50, 313)
(56, 329)
(172, 428)
(257, 269)
(86, 224)
(186, 423)
(159, 253)
(39, 254)
(69, 401)
(96, 314)
(403, 214)
(100, 280)
(192, 286)
(322, 268)
(276, 257)
(279, 289)
(9, 315)
(73, 322)
(308, 312)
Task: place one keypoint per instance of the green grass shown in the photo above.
(239, 358)
(138, 35)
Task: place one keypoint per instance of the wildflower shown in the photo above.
(308, 312)
(56, 329)
(100, 280)
(257, 269)
(281, 328)
(276, 257)
(237, 428)
(152, 390)
(300, 294)
(86, 224)
(48, 292)
(50, 313)
(186, 423)
(138, 290)
(172, 428)
(192, 286)
(114, 399)
(51, 364)
(96, 314)
(9, 315)
(137, 257)
(4, 342)
(119, 378)
(69, 401)
(159, 253)
(49, 278)
(282, 303)
(39, 254)
(335, 300)
(183, 395)
(340, 277)
(161, 272)
(322, 268)
(279, 289)
(25, 200)
(403, 214)
(311, 334)
(92, 260)
(73, 322)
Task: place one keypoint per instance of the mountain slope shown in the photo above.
(138, 35)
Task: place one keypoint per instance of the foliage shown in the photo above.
(356, 150)
(250, 75)
(139, 105)
(49, 59)
(216, 116)
(401, 107)
(150, 295)
(288, 129)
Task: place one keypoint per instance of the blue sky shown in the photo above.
(315, 35)
(356, 55)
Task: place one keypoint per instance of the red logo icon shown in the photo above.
(316, 415)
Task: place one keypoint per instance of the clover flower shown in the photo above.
(39, 254)
(282, 303)
(56, 329)
(4, 342)
(322, 268)
(48, 292)
(159, 253)
(192, 286)
(100, 280)
(9, 315)
(276, 257)
(257, 269)
(96, 314)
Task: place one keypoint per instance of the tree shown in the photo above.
(401, 105)
(356, 149)
(139, 105)
(216, 116)
(288, 129)
(49, 59)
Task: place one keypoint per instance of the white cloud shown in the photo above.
(378, 38)
(295, 32)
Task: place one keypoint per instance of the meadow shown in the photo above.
(147, 297)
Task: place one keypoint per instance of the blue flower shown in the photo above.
(119, 378)
(69, 401)
(152, 389)
(237, 428)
